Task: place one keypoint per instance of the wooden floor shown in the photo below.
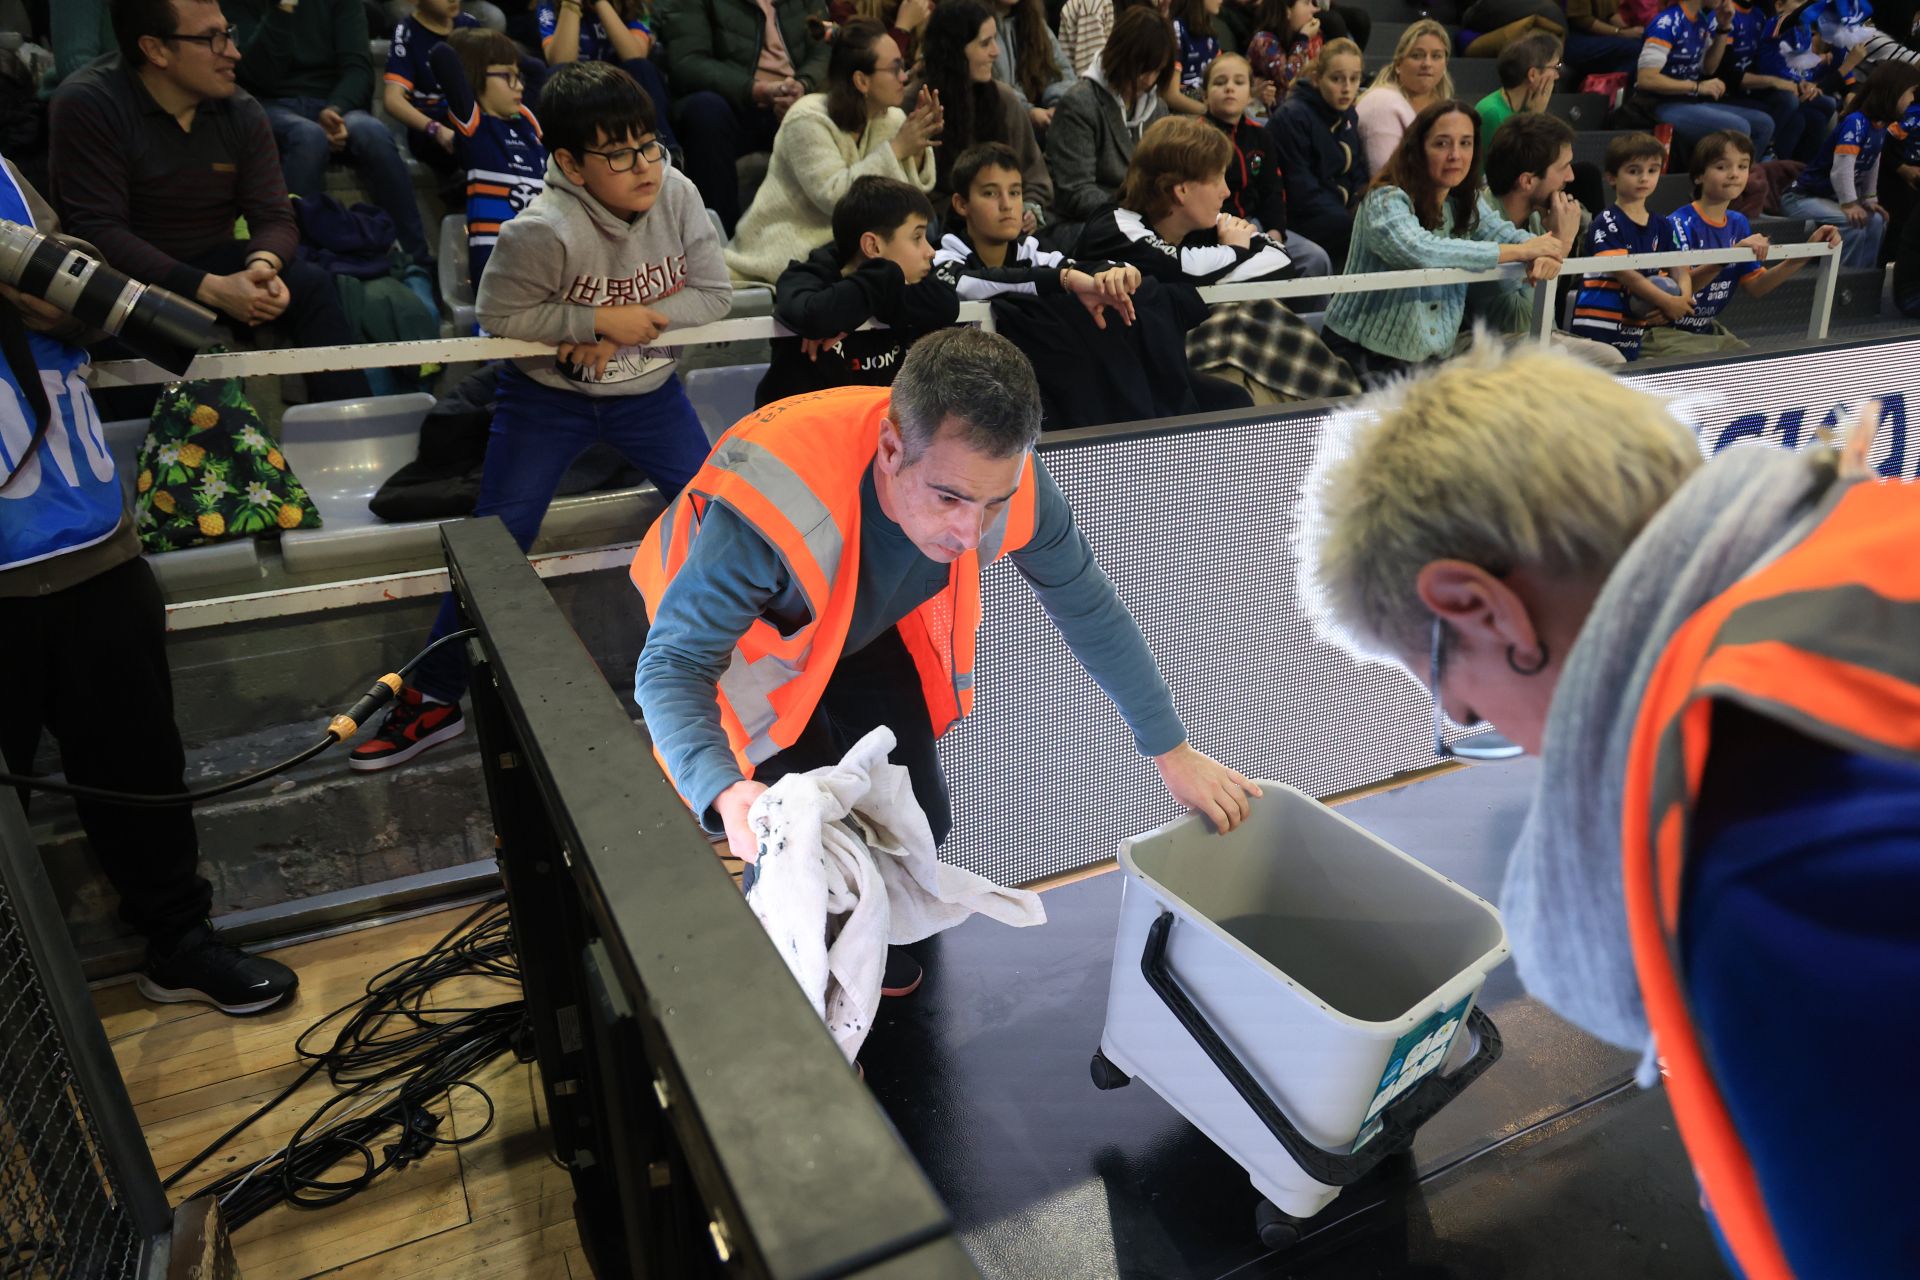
(499, 1206)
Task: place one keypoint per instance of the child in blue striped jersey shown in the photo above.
(498, 142)
(1602, 311)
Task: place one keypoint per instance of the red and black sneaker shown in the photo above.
(413, 725)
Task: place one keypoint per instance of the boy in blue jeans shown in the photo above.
(615, 250)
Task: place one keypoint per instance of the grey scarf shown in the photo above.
(1563, 901)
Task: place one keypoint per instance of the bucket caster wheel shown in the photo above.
(1106, 1075)
(1277, 1230)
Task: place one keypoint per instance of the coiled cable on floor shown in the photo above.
(339, 729)
(398, 1055)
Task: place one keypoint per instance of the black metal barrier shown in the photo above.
(710, 1123)
(79, 1195)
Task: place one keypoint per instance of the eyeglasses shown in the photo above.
(1481, 746)
(218, 41)
(895, 68)
(513, 78)
(623, 159)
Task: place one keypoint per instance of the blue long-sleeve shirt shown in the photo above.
(1802, 967)
(732, 576)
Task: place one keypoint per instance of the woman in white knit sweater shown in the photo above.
(826, 141)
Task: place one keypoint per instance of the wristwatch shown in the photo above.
(433, 129)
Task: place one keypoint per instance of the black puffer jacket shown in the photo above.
(1325, 167)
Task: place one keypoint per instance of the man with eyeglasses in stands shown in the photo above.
(156, 153)
(308, 63)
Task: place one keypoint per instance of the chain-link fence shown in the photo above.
(65, 1207)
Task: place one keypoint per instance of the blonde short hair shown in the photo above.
(1389, 74)
(1504, 459)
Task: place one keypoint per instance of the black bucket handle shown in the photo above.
(1399, 1121)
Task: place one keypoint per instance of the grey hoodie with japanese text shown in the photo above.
(567, 253)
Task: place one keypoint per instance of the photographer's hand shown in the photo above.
(40, 315)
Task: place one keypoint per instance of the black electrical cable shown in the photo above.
(393, 1041)
(341, 728)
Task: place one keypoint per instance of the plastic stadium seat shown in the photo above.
(343, 450)
(719, 227)
(1581, 110)
(1473, 78)
(1674, 190)
(217, 564)
(1591, 146)
(454, 289)
(724, 395)
(1386, 35)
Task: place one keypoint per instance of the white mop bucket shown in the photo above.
(1294, 988)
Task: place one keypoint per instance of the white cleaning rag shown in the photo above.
(847, 866)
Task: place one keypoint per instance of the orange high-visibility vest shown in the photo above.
(792, 471)
(1825, 639)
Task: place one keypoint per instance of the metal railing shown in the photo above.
(389, 355)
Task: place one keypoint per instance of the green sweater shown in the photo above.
(715, 44)
(319, 50)
(1412, 324)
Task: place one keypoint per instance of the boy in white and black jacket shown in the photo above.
(984, 255)
(878, 268)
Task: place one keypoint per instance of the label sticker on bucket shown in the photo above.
(1415, 1055)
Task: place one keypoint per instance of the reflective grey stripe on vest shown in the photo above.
(963, 682)
(778, 484)
(748, 687)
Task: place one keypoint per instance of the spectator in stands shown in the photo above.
(1529, 168)
(1093, 137)
(1841, 187)
(1489, 26)
(1720, 165)
(1256, 187)
(81, 30)
(615, 250)
(1604, 310)
(1168, 222)
(959, 50)
(308, 65)
(1029, 61)
(1415, 80)
(1421, 211)
(905, 20)
(157, 154)
(879, 267)
(1195, 48)
(735, 67)
(86, 648)
(499, 143)
(1317, 137)
(1529, 70)
(410, 93)
(1906, 269)
(1288, 40)
(1601, 40)
(1683, 49)
(1901, 193)
(1801, 113)
(984, 254)
(828, 141)
(1084, 28)
(616, 31)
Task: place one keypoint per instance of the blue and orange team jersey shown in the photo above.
(1693, 229)
(1748, 30)
(1600, 308)
(594, 45)
(1903, 138)
(407, 64)
(1683, 40)
(506, 169)
(1856, 140)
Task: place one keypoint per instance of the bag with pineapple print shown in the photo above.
(210, 471)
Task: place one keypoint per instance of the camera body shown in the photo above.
(157, 324)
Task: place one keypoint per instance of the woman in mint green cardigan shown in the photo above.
(1420, 213)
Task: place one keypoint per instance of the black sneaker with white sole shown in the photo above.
(206, 968)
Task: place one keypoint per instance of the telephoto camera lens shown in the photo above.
(157, 324)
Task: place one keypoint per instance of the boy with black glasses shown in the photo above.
(616, 249)
(497, 138)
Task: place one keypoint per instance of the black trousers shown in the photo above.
(877, 686)
(91, 663)
(715, 135)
